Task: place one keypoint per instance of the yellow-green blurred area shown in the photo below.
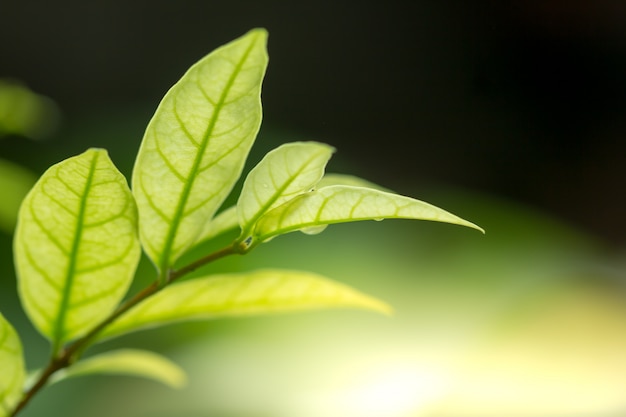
(24, 112)
(527, 320)
(521, 105)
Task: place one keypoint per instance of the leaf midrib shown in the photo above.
(184, 197)
(59, 327)
(249, 226)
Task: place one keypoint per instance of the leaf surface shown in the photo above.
(343, 203)
(133, 362)
(251, 293)
(195, 146)
(12, 372)
(283, 173)
(76, 246)
(345, 179)
(223, 222)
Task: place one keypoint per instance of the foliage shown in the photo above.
(81, 229)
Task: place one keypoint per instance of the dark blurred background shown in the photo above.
(523, 99)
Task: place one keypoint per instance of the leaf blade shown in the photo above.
(76, 247)
(134, 362)
(344, 203)
(287, 171)
(12, 365)
(196, 144)
(251, 293)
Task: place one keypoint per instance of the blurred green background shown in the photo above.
(512, 116)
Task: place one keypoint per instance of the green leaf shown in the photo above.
(343, 203)
(195, 146)
(250, 293)
(15, 182)
(285, 172)
(128, 362)
(351, 180)
(76, 246)
(12, 372)
(223, 222)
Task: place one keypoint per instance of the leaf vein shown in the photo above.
(167, 162)
(151, 203)
(184, 197)
(183, 126)
(47, 232)
(59, 330)
(39, 269)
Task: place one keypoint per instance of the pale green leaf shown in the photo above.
(223, 222)
(250, 293)
(76, 246)
(343, 203)
(15, 182)
(344, 179)
(132, 362)
(285, 172)
(195, 146)
(12, 372)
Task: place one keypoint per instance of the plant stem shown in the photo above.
(70, 354)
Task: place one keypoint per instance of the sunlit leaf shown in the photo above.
(221, 223)
(344, 179)
(251, 293)
(12, 372)
(133, 362)
(15, 182)
(342, 203)
(195, 146)
(76, 245)
(285, 172)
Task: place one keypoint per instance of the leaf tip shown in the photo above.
(260, 33)
(475, 226)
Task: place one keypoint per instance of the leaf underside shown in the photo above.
(285, 172)
(12, 372)
(128, 362)
(195, 146)
(251, 293)
(76, 245)
(344, 203)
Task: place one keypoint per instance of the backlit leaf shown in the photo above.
(12, 372)
(221, 223)
(76, 245)
(343, 203)
(251, 293)
(128, 362)
(195, 146)
(285, 172)
(344, 179)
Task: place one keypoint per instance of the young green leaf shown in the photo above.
(223, 222)
(128, 362)
(12, 372)
(285, 172)
(249, 293)
(76, 246)
(195, 146)
(344, 179)
(343, 203)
